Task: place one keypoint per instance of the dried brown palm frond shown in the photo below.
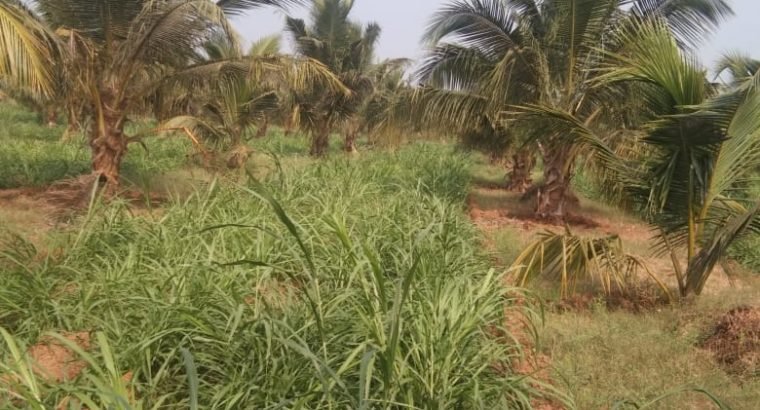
(570, 259)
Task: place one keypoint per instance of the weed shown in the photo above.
(353, 283)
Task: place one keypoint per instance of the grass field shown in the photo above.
(602, 356)
(352, 282)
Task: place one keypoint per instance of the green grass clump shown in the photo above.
(353, 283)
(508, 243)
(747, 252)
(278, 143)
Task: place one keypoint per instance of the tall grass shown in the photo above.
(349, 284)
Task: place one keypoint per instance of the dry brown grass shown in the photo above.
(735, 341)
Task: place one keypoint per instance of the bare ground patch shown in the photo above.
(35, 211)
(57, 362)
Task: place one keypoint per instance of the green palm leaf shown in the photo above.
(237, 7)
(26, 49)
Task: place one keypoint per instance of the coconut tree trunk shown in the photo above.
(74, 124)
(495, 158)
(349, 146)
(350, 137)
(108, 151)
(51, 117)
(239, 152)
(238, 157)
(553, 194)
(519, 178)
(320, 140)
(108, 141)
(263, 128)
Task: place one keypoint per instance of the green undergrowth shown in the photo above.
(31, 154)
(34, 155)
(276, 142)
(747, 252)
(352, 283)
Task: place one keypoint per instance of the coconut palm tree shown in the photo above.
(347, 49)
(701, 149)
(533, 61)
(269, 46)
(243, 93)
(468, 83)
(135, 44)
(236, 104)
(390, 90)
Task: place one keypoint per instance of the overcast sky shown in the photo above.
(403, 22)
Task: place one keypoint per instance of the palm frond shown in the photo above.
(222, 46)
(238, 7)
(715, 249)
(305, 73)
(26, 49)
(738, 155)
(195, 126)
(650, 54)
(742, 68)
(563, 128)
(262, 104)
(330, 21)
(454, 67)
(361, 51)
(266, 46)
(305, 44)
(446, 109)
(571, 260)
(485, 25)
(689, 20)
(370, 38)
(106, 22)
(172, 31)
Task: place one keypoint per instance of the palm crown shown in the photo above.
(346, 48)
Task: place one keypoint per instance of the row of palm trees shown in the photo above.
(612, 83)
(181, 62)
(109, 60)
